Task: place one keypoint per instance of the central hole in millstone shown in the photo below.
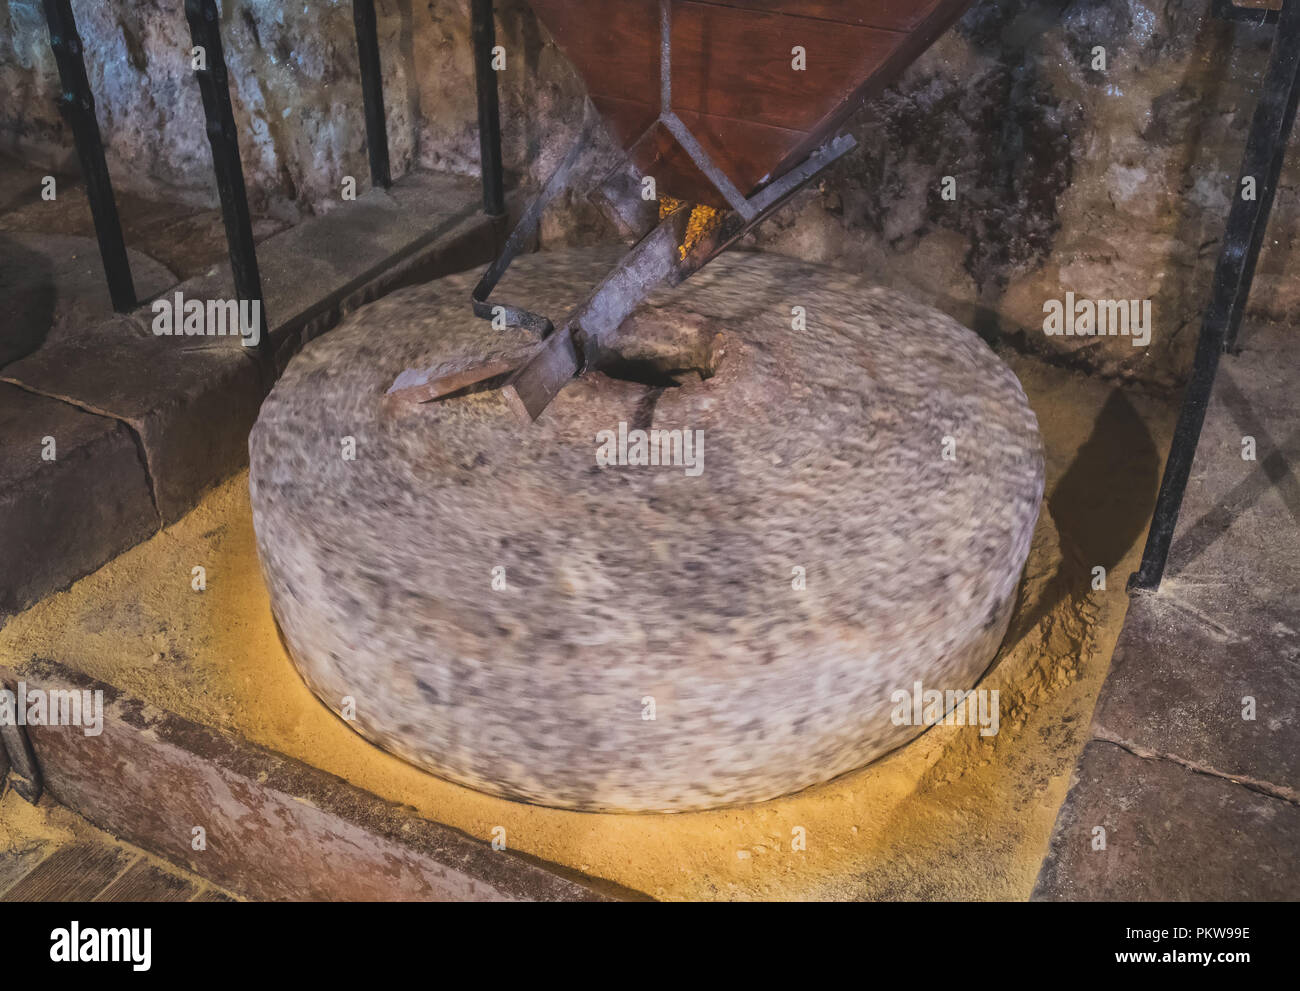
(657, 347)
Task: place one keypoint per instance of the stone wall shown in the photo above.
(1114, 184)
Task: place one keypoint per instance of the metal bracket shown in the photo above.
(652, 262)
(24, 773)
(516, 316)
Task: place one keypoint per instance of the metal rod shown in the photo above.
(655, 261)
(77, 104)
(522, 234)
(680, 131)
(706, 165)
(372, 91)
(24, 772)
(1265, 148)
(205, 29)
(489, 113)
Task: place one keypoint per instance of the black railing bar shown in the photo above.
(483, 33)
(205, 29)
(77, 104)
(1247, 220)
(372, 91)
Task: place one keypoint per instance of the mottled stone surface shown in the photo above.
(822, 451)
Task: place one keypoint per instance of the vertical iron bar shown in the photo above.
(489, 114)
(1277, 103)
(372, 91)
(77, 104)
(1265, 149)
(205, 29)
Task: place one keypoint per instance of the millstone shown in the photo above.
(512, 615)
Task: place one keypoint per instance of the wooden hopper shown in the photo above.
(733, 84)
(731, 105)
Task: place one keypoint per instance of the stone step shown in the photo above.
(159, 420)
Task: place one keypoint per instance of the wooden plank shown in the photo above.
(444, 385)
(75, 873)
(617, 53)
(276, 828)
(736, 63)
(658, 154)
(892, 15)
(744, 149)
(938, 19)
(733, 84)
(627, 120)
(738, 147)
(146, 882)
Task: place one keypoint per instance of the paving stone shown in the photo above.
(1206, 802)
(62, 519)
(1238, 531)
(1171, 835)
(54, 288)
(1179, 678)
(340, 251)
(324, 267)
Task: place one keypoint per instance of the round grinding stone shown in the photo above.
(511, 613)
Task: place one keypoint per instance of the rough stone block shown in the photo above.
(191, 406)
(62, 519)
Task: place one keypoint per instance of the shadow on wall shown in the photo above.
(27, 288)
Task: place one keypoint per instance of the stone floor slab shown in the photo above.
(1170, 835)
(1224, 699)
